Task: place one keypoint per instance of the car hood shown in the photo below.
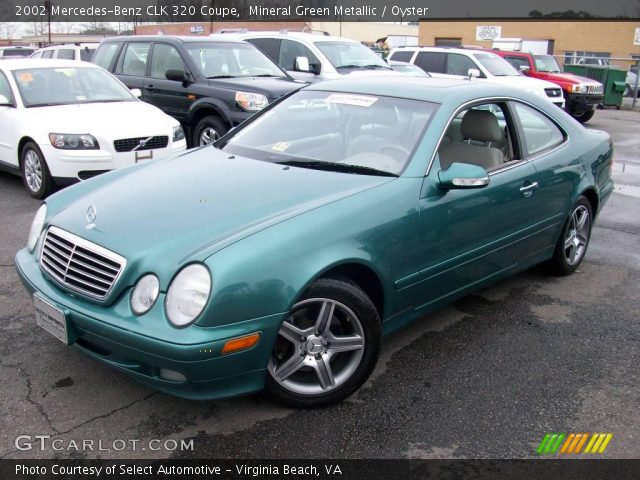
(184, 209)
(524, 82)
(565, 78)
(106, 120)
(270, 87)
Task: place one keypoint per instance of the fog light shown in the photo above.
(241, 343)
(172, 375)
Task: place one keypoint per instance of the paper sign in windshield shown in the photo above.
(280, 146)
(348, 99)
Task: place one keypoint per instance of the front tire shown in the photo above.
(208, 130)
(35, 172)
(583, 117)
(327, 347)
(574, 239)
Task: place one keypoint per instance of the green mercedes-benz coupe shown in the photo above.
(280, 256)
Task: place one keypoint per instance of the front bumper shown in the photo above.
(580, 103)
(75, 165)
(194, 351)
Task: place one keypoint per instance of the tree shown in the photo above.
(8, 29)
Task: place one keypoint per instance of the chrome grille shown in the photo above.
(78, 264)
(141, 143)
(595, 89)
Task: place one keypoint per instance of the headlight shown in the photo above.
(580, 88)
(251, 101)
(178, 133)
(145, 294)
(188, 294)
(36, 227)
(73, 142)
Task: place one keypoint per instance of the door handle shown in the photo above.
(527, 190)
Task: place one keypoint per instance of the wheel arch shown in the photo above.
(360, 273)
(23, 141)
(591, 195)
(204, 109)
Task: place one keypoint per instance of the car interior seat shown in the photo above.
(478, 126)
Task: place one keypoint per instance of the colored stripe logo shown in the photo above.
(573, 443)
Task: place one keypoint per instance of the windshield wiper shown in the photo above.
(269, 75)
(362, 67)
(221, 76)
(337, 167)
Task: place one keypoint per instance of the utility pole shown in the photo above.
(47, 5)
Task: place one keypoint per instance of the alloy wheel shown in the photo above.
(33, 170)
(208, 136)
(577, 236)
(318, 348)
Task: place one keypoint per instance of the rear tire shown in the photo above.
(574, 239)
(583, 117)
(328, 346)
(35, 172)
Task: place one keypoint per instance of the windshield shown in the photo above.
(334, 131)
(346, 55)
(412, 69)
(546, 63)
(220, 60)
(69, 85)
(496, 66)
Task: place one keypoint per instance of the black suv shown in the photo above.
(209, 86)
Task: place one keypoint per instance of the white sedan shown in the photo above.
(62, 121)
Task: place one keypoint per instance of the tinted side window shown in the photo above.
(135, 60)
(105, 54)
(47, 54)
(269, 46)
(165, 57)
(37, 55)
(86, 54)
(459, 64)
(517, 61)
(66, 54)
(402, 56)
(431, 61)
(289, 50)
(540, 133)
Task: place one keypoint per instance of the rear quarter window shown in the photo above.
(431, 61)
(402, 56)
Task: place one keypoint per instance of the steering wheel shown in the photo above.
(392, 150)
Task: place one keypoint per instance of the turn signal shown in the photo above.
(241, 343)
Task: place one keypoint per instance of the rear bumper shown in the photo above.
(579, 103)
(194, 352)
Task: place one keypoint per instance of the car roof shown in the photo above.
(312, 37)
(21, 63)
(429, 89)
(170, 38)
(463, 51)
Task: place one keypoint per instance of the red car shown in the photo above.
(582, 94)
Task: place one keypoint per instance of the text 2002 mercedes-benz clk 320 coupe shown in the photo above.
(279, 257)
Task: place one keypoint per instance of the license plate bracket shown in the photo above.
(51, 318)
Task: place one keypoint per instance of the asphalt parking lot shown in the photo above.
(487, 377)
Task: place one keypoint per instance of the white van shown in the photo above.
(76, 51)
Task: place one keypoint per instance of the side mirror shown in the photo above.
(302, 64)
(5, 102)
(473, 73)
(136, 92)
(176, 74)
(463, 176)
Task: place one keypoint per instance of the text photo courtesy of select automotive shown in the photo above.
(342, 225)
